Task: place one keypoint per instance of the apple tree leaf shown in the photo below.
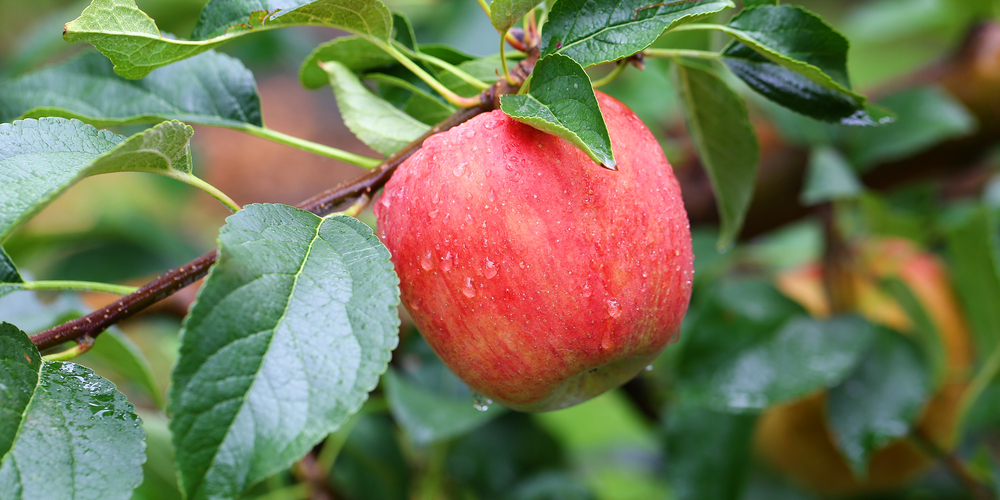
(718, 124)
(749, 347)
(880, 400)
(829, 177)
(427, 416)
(708, 452)
(354, 53)
(64, 431)
(598, 31)
(561, 101)
(291, 330)
(504, 13)
(927, 116)
(796, 59)
(375, 122)
(130, 38)
(39, 159)
(208, 89)
(8, 272)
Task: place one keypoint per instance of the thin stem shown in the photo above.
(462, 75)
(83, 345)
(486, 8)
(671, 53)
(312, 147)
(213, 191)
(503, 58)
(608, 78)
(84, 286)
(457, 100)
(706, 27)
(987, 374)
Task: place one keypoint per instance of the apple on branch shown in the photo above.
(540, 278)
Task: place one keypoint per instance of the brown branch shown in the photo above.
(323, 203)
(978, 490)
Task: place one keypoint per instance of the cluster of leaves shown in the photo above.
(253, 393)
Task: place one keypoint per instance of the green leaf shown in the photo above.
(428, 417)
(64, 431)
(796, 39)
(718, 124)
(209, 89)
(130, 38)
(829, 178)
(708, 452)
(504, 13)
(974, 260)
(880, 401)
(597, 31)
(371, 465)
(794, 91)
(561, 101)
(421, 104)
(39, 159)
(749, 348)
(291, 330)
(794, 58)
(375, 122)
(927, 116)
(117, 351)
(8, 272)
(354, 53)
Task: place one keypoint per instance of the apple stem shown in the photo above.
(608, 78)
(837, 265)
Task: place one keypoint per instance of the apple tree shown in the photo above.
(836, 269)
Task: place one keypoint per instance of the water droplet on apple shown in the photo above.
(587, 292)
(491, 269)
(468, 290)
(480, 402)
(614, 310)
(436, 198)
(415, 305)
(489, 172)
(433, 213)
(492, 196)
(470, 132)
(426, 261)
(446, 262)
(459, 169)
(649, 368)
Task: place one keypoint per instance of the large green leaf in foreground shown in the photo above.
(65, 433)
(209, 89)
(39, 159)
(561, 101)
(290, 332)
(130, 38)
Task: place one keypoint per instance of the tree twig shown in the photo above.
(978, 490)
(321, 204)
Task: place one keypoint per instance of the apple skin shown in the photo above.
(540, 278)
(795, 438)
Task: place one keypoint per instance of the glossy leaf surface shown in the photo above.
(290, 332)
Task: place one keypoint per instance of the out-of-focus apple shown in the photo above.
(540, 278)
(795, 437)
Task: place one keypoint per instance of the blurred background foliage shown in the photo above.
(418, 436)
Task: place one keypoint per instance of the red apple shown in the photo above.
(540, 278)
